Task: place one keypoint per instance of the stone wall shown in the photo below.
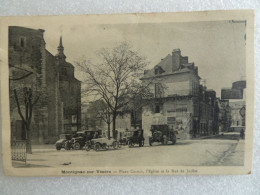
(52, 79)
(26, 54)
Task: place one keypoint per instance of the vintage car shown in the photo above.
(137, 137)
(61, 142)
(162, 134)
(79, 139)
(124, 137)
(101, 143)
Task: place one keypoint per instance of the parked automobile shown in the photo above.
(136, 138)
(79, 139)
(162, 134)
(61, 142)
(100, 143)
(124, 137)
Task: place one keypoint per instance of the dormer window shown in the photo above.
(158, 70)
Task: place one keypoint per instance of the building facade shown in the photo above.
(179, 100)
(224, 115)
(238, 113)
(52, 81)
(236, 98)
(95, 117)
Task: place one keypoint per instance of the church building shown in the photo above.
(53, 84)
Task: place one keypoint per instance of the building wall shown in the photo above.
(52, 90)
(25, 47)
(237, 119)
(224, 118)
(60, 97)
(177, 113)
(184, 83)
(26, 52)
(179, 99)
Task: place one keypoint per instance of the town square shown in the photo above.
(124, 101)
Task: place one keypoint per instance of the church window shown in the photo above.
(22, 42)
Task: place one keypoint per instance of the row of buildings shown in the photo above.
(182, 102)
(179, 99)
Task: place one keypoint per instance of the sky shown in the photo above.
(217, 48)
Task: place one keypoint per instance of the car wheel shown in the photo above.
(77, 146)
(58, 147)
(115, 145)
(97, 147)
(88, 147)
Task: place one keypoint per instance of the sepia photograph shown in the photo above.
(145, 94)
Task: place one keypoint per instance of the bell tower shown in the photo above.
(60, 55)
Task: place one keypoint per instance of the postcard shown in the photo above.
(128, 94)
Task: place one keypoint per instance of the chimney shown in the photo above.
(176, 59)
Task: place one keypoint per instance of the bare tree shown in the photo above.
(114, 78)
(29, 102)
(26, 95)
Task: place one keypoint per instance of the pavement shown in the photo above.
(220, 150)
(235, 154)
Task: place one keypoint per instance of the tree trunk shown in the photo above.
(28, 114)
(114, 124)
(108, 130)
(28, 141)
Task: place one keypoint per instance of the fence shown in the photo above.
(18, 150)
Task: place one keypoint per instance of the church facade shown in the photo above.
(52, 81)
